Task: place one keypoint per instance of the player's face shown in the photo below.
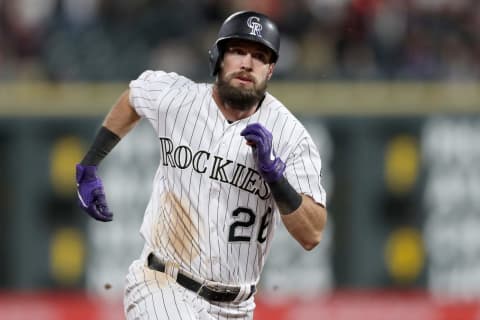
(244, 73)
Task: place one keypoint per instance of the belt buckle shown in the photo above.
(171, 269)
(217, 293)
(202, 285)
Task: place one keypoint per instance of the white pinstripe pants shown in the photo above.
(151, 294)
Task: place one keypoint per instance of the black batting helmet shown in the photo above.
(246, 25)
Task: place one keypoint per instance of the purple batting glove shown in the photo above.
(271, 167)
(91, 196)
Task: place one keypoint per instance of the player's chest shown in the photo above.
(205, 130)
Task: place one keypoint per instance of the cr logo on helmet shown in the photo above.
(253, 23)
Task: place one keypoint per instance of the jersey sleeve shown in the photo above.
(303, 170)
(146, 91)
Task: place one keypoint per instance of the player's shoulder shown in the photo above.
(279, 117)
(275, 106)
(163, 78)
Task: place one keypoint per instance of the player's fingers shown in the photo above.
(253, 139)
(262, 137)
(99, 212)
(250, 129)
(245, 130)
(256, 128)
(93, 212)
(105, 212)
(99, 209)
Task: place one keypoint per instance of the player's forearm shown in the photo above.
(306, 224)
(119, 121)
(122, 117)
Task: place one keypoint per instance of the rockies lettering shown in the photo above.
(222, 170)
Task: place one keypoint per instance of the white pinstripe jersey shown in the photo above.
(210, 211)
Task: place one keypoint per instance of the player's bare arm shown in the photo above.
(306, 223)
(122, 117)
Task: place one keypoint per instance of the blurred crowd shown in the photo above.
(114, 40)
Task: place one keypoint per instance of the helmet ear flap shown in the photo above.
(213, 57)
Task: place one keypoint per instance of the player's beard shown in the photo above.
(240, 98)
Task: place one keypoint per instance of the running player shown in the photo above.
(234, 161)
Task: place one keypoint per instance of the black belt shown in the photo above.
(208, 292)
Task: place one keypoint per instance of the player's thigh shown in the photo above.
(154, 295)
(157, 300)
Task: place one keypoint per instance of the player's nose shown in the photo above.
(247, 61)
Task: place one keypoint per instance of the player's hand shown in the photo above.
(259, 138)
(91, 196)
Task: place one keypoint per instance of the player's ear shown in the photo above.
(271, 66)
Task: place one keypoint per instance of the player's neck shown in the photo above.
(230, 113)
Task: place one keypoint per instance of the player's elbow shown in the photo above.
(314, 236)
(313, 241)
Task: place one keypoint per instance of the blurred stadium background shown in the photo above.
(388, 88)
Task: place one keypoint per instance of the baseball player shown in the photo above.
(233, 162)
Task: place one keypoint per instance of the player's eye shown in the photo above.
(260, 56)
(237, 51)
